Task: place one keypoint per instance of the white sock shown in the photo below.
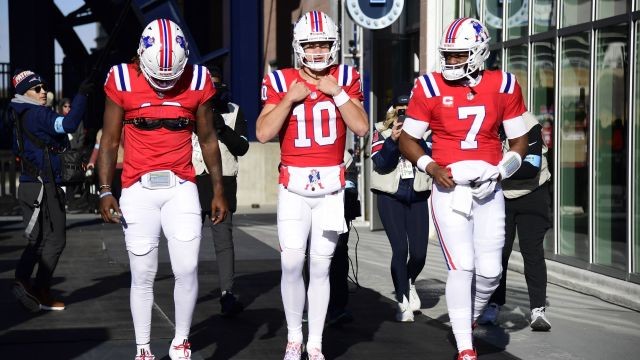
(458, 295)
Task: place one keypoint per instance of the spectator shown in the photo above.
(337, 312)
(41, 136)
(527, 204)
(231, 127)
(402, 192)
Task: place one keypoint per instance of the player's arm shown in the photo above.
(107, 156)
(410, 146)
(351, 109)
(273, 116)
(211, 154)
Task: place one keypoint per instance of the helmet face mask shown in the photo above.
(163, 53)
(464, 35)
(311, 29)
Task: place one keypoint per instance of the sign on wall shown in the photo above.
(374, 14)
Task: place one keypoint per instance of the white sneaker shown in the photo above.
(314, 354)
(490, 315)
(180, 351)
(404, 312)
(144, 355)
(293, 351)
(414, 299)
(539, 321)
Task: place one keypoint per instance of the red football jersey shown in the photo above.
(314, 135)
(465, 120)
(160, 149)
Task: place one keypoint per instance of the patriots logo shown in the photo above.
(148, 41)
(180, 40)
(314, 180)
(479, 30)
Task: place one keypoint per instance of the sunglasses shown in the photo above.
(39, 88)
(153, 124)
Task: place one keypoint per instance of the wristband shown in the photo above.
(423, 162)
(509, 164)
(104, 194)
(341, 99)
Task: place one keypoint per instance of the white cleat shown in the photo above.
(144, 355)
(180, 351)
(293, 351)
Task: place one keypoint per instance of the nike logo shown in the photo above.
(182, 181)
(533, 143)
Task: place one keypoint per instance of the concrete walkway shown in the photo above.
(93, 279)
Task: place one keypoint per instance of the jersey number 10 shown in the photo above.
(317, 111)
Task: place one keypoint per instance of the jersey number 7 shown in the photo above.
(479, 113)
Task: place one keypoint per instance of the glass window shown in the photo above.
(470, 9)
(543, 106)
(518, 21)
(493, 19)
(573, 169)
(575, 12)
(544, 15)
(607, 8)
(517, 64)
(610, 147)
(636, 153)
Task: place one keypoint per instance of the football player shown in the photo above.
(310, 109)
(159, 99)
(464, 105)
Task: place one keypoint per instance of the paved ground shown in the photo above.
(94, 280)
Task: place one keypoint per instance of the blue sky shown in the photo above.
(87, 33)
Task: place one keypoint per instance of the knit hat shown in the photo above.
(24, 80)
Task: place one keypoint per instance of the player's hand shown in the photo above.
(396, 130)
(328, 85)
(298, 91)
(440, 175)
(108, 208)
(219, 209)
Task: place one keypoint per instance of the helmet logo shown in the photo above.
(180, 40)
(480, 34)
(148, 41)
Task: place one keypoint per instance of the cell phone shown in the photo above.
(402, 112)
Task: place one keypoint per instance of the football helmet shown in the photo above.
(316, 26)
(464, 35)
(163, 53)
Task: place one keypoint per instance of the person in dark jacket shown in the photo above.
(526, 205)
(41, 136)
(232, 139)
(402, 192)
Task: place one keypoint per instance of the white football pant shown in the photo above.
(175, 211)
(472, 248)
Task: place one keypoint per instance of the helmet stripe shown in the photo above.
(165, 46)
(449, 30)
(160, 28)
(455, 31)
(319, 21)
(315, 21)
(310, 16)
(170, 45)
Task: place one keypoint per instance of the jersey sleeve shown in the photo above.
(115, 82)
(377, 141)
(419, 105)
(513, 106)
(274, 87)
(349, 79)
(201, 82)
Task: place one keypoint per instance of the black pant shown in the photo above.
(528, 214)
(48, 237)
(339, 274)
(407, 227)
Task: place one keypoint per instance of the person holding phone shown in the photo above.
(402, 192)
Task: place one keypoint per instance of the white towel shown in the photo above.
(333, 209)
(462, 199)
